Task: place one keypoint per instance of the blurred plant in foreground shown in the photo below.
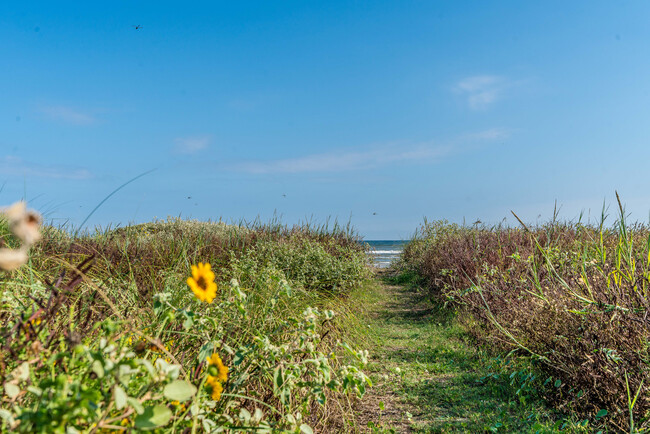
(25, 225)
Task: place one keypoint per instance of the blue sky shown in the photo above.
(378, 112)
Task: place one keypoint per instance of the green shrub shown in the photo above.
(328, 268)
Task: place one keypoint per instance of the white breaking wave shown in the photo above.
(386, 252)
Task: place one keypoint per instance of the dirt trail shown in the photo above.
(396, 322)
(428, 376)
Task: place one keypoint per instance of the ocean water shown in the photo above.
(384, 252)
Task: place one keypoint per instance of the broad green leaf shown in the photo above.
(136, 405)
(11, 390)
(195, 407)
(179, 390)
(98, 368)
(189, 321)
(245, 416)
(153, 417)
(601, 413)
(210, 426)
(120, 397)
(206, 351)
(148, 366)
(258, 415)
(306, 429)
(21, 373)
(225, 347)
(239, 357)
(35, 390)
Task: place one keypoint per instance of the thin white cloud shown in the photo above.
(67, 114)
(15, 166)
(342, 161)
(489, 134)
(191, 145)
(482, 91)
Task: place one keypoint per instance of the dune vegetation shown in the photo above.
(187, 326)
(179, 326)
(570, 298)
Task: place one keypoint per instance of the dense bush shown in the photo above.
(102, 332)
(572, 296)
(325, 267)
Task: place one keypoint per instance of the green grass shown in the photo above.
(430, 378)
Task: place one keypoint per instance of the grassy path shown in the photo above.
(428, 377)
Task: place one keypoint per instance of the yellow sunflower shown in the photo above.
(202, 282)
(215, 360)
(215, 386)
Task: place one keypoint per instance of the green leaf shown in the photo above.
(601, 413)
(21, 372)
(148, 366)
(11, 390)
(189, 320)
(98, 368)
(306, 429)
(239, 357)
(258, 415)
(179, 390)
(245, 416)
(153, 417)
(206, 351)
(35, 390)
(120, 397)
(278, 380)
(136, 405)
(558, 383)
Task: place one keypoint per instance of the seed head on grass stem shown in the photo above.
(25, 225)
